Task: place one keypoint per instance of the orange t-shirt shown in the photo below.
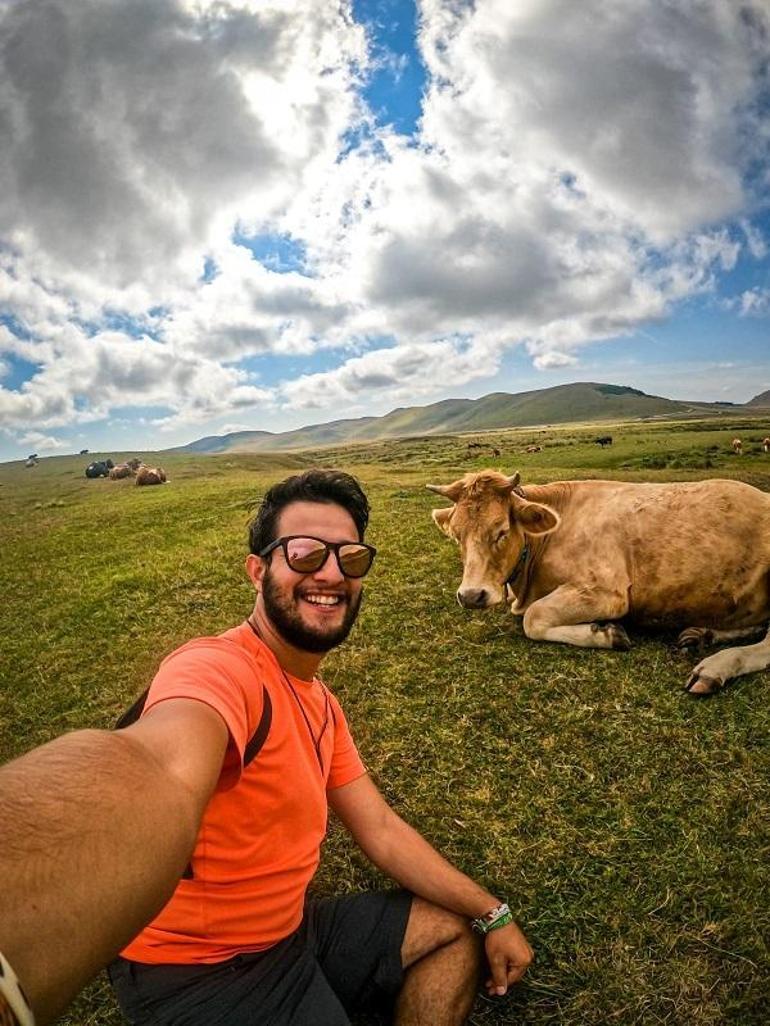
(259, 841)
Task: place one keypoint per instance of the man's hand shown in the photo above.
(509, 955)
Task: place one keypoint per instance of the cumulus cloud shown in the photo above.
(132, 132)
(42, 443)
(575, 175)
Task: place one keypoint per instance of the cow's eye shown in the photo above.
(501, 536)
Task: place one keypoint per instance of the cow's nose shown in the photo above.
(472, 598)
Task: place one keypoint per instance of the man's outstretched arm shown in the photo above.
(403, 854)
(96, 829)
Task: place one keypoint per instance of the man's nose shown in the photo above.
(330, 572)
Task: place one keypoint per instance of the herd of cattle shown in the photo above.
(131, 468)
(574, 557)
(602, 440)
(738, 446)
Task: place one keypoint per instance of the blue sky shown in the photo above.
(242, 218)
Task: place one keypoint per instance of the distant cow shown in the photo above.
(766, 445)
(534, 448)
(99, 468)
(737, 446)
(151, 476)
(577, 555)
(30, 462)
(122, 470)
(84, 452)
(603, 440)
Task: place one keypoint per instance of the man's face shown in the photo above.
(313, 612)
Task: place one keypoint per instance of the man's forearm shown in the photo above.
(94, 836)
(404, 855)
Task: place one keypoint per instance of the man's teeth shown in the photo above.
(323, 600)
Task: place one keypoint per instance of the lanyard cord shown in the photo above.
(315, 741)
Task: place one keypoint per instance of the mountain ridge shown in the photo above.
(559, 404)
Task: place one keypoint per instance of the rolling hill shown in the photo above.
(562, 404)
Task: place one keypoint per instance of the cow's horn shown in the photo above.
(450, 491)
(513, 481)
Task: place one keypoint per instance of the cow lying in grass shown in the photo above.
(99, 468)
(578, 555)
(151, 476)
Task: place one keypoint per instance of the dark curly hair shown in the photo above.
(330, 486)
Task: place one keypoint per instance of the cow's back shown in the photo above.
(692, 552)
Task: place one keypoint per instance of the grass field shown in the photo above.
(627, 824)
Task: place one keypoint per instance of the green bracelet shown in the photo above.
(493, 920)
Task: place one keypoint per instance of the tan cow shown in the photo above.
(577, 555)
(120, 471)
(151, 476)
(737, 446)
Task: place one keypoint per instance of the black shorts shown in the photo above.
(345, 957)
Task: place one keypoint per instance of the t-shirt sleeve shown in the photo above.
(346, 763)
(216, 672)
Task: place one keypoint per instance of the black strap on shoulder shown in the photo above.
(251, 751)
(253, 745)
(132, 714)
(258, 738)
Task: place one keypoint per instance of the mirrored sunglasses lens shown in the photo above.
(305, 555)
(355, 560)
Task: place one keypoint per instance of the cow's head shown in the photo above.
(489, 521)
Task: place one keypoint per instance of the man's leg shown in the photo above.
(442, 959)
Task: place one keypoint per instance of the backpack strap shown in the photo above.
(253, 745)
(250, 752)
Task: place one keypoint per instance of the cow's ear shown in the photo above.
(536, 519)
(441, 520)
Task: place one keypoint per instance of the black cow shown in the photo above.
(603, 440)
(100, 468)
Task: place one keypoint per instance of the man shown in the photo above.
(236, 942)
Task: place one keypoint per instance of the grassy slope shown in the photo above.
(627, 824)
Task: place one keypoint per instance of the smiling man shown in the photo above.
(238, 753)
(239, 942)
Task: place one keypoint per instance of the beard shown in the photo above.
(283, 611)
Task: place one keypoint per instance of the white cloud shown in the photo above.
(755, 302)
(553, 358)
(135, 133)
(755, 240)
(575, 168)
(42, 443)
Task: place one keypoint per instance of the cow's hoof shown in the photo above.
(615, 635)
(619, 640)
(701, 685)
(698, 638)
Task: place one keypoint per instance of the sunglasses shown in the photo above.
(306, 555)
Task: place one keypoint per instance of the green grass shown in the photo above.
(627, 824)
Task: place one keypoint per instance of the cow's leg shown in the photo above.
(569, 616)
(711, 673)
(701, 638)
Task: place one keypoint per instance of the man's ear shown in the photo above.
(255, 569)
(535, 518)
(441, 520)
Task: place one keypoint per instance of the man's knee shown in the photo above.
(431, 928)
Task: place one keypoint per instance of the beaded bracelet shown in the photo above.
(14, 1007)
